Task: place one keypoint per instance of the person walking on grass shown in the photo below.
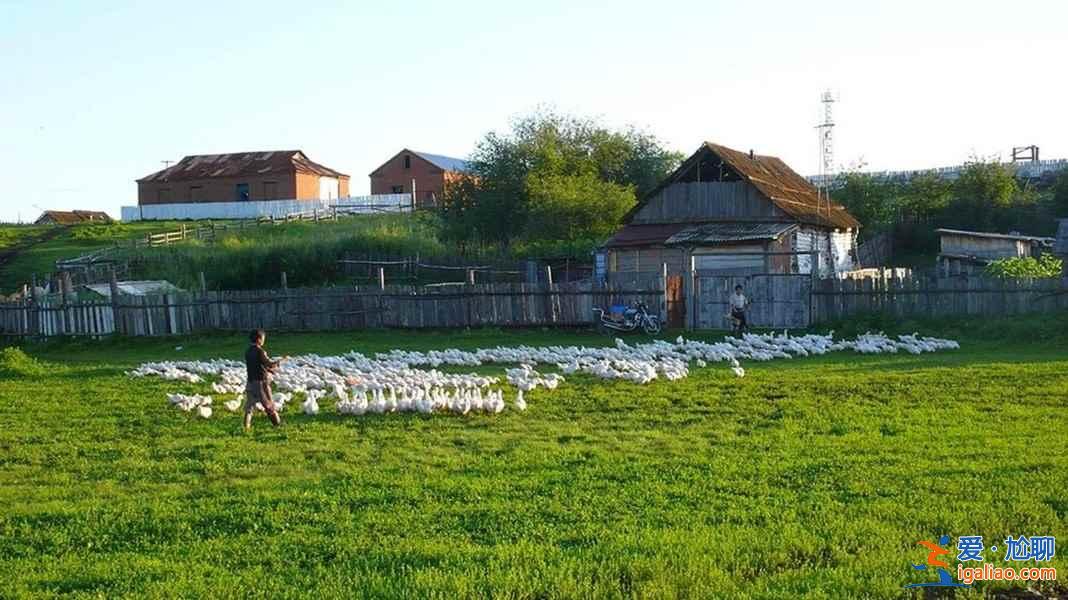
(259, 367)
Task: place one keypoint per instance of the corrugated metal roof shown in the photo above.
(1061, 245)
(447, 163)
(772, 177)
(713, 233)
(135, 288)
(999, 236)
(644, 235)
(240, 164)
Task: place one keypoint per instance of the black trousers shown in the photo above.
(740, 315)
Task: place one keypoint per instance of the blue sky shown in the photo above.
(97, 94)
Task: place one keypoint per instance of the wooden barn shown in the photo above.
(733, 213)
(963, 252)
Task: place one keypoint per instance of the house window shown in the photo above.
(398, 189)
(407, 161)
(242, 192)
(163, 195)
(270, 190)
(196, 193)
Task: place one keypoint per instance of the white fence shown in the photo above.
(278, 209)
(1024, 169)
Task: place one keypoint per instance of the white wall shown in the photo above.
(265, 208)
(329, 189)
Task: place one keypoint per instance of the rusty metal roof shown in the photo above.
(73, 217)
(791, 192)
(240, 164)
(718, 233)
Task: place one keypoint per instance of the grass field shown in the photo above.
(807, 478)
(71, 242)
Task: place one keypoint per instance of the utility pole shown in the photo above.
(826, 133)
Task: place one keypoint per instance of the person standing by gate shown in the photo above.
(738, 304)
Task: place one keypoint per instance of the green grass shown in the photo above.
(807, 478)
(307, 252)
(71, 242)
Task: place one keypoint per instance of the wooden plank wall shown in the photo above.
(696, 201)
(775, 300)
(834, 299)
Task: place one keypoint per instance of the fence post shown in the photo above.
(381, 278)
(203, 282)
(664, 292)
(470, 277)
(691, 294)
(113, 285)
(285, 282)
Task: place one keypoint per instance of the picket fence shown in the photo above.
(324, 309)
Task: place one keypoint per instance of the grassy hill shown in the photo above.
(68, 242)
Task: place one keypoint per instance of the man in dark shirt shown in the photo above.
(258, 368)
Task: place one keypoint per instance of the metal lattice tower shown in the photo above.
(826, 129)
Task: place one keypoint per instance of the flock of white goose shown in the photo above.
(409, 381)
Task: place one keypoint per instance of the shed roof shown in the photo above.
(999, 236)
(1061, 245)
(644, 235)
(789, 191)
(446, 163)
(73, 217)
(135, 288)
(718, 233)
(240, 164)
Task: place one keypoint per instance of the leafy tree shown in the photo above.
(1060, 194)
(552, 176)
(984, 189)
(871, 200)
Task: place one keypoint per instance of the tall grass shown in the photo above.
(307, 252)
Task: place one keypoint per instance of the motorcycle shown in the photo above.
(631, 318)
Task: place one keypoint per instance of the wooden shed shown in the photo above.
(964, 252)
(1060, 246)
(734, 213)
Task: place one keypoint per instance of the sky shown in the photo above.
(94, 95)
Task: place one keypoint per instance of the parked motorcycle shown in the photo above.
(627, 318)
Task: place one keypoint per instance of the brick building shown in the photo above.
(428, 172)
(241, 177)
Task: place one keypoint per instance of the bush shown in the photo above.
(16, 363)
(1047, 267)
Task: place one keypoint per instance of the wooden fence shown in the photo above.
(834, 299)
(325, 309)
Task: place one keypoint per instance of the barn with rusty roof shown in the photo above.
(242, 177)
(733, 213)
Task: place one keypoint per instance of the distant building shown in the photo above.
(242, 177)
(733, 213)
(71, 217)
(423, 173)
(970, 251)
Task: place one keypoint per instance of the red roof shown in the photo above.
(240, 164)
(644, 235)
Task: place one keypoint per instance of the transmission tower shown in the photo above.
(826, 132)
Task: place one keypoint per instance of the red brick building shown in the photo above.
(242, 176)
(428, 172)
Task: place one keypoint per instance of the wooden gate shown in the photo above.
(775, 300)
(676, 302)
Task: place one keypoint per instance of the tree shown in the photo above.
(984, 189)
(1060, 194)
(871, 200)
(552, 176)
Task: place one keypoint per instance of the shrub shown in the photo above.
(16, 363)
(1048, 266)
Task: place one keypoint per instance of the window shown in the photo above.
(398, 189)
(196, 193)
(270, 190)
(163, 195)
(407, 161)
(242, 192)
